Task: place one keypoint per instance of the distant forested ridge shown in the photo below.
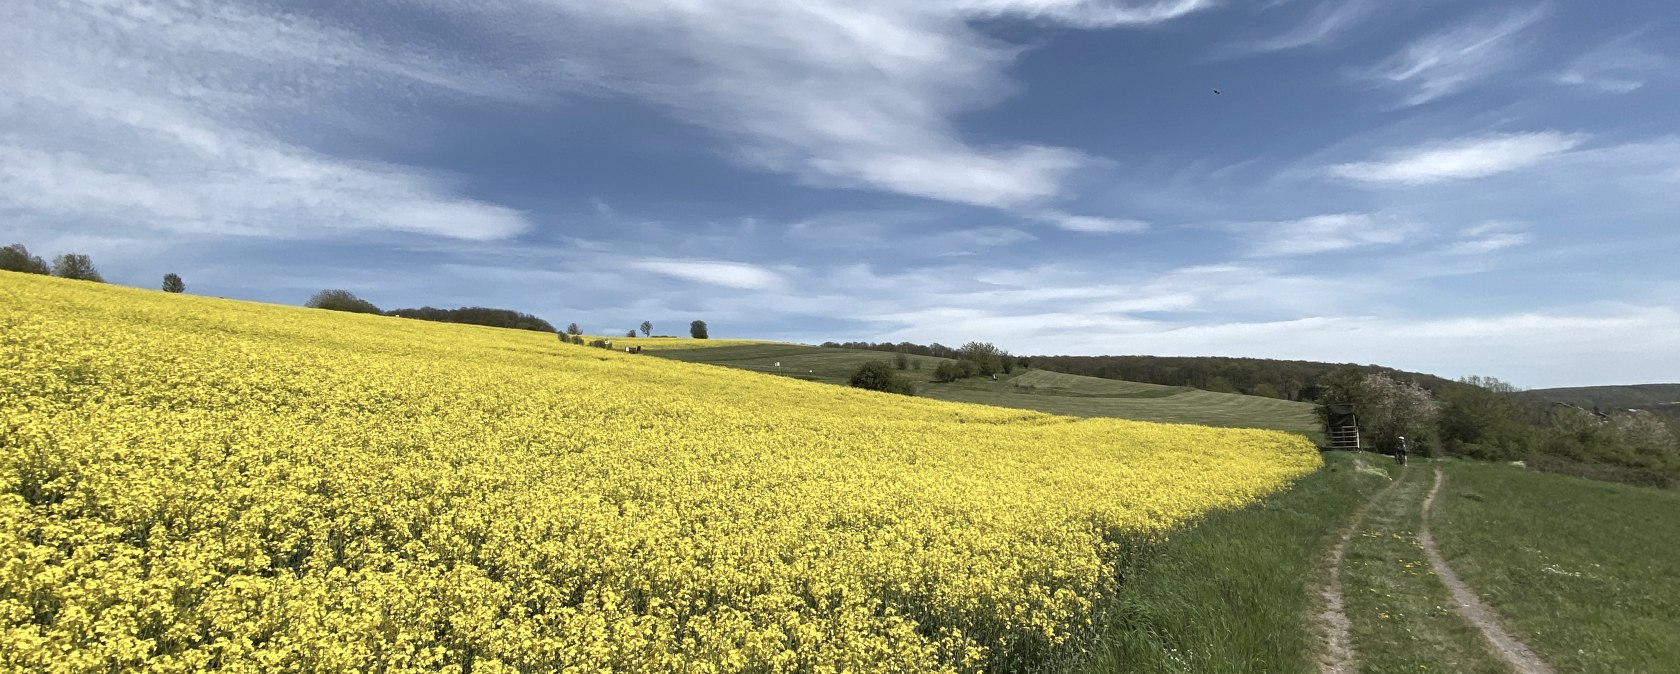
(1659, 398)
(1286, 379)
(934, 350)
(495, 318)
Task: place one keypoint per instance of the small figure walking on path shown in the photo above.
(1400, 452)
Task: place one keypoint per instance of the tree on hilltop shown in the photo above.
(172, 283)
(697, 330)
(341, 300)
(647, 328)
(17, 258)
(76, 266)
(574, 330)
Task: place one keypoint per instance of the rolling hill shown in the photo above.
(1651, 397)
(1040, 390)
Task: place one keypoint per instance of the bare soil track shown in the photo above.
(1510, 649)
(1337, 654)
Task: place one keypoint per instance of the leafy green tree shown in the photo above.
(629, 333)
(1390, 409)
(697, 330)
(878, 375)
(341, 300)
(574, 330)
(76, 266)
(987, 358)
(647, 328)
(17, 258)
(901, 360)
(951, 370)
(1486, 419)
(172, 283)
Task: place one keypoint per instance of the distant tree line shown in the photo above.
(495, 318)
(344, 300)
(16, 257)
(1285, 379)
(1487, 419)
(934, 350)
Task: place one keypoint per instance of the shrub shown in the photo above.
(878, 375)
(629, 333)
(967, 368)
(947, 371)
(901, 360)
(341, 300)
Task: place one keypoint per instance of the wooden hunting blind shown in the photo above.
(1341, 425)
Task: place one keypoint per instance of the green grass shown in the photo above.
(1233, 593)
(1588, 573)
(1040, 390)
(1401, 616)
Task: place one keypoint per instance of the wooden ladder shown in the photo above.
(1345, 437)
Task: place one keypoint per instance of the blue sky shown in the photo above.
(1450, 187)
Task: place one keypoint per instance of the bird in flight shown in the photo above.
(1216, 91)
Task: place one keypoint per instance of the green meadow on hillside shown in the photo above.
(1040, 390)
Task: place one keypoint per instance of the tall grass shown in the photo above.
(1234, 592)
(1587, 572)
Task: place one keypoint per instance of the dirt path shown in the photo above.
(1337, 655)
(1501, 643)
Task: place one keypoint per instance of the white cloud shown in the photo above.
(1082, 13)
(1327, 22)
(1487, 238)
(173, 127)
(1326, 233)
(1618, 67)
(1459, 159)
(1454, 59)
(737, 275)
(1091, 224)
(838, 93)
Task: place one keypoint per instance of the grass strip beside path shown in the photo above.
(1234, 592)
(1586, 572)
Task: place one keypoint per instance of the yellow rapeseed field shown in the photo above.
(191, 484)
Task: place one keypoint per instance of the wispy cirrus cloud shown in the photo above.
(835, 93)
(1325, 23)
(1083, 13)
(1459, 159)
(1454, 59)
(738, 275)
(1488, 237)
(1619, 67)
(172, 127)
(1091, 224)
(1325, 233)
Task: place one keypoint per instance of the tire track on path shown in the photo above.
(1513, 651)
(1336, 656)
